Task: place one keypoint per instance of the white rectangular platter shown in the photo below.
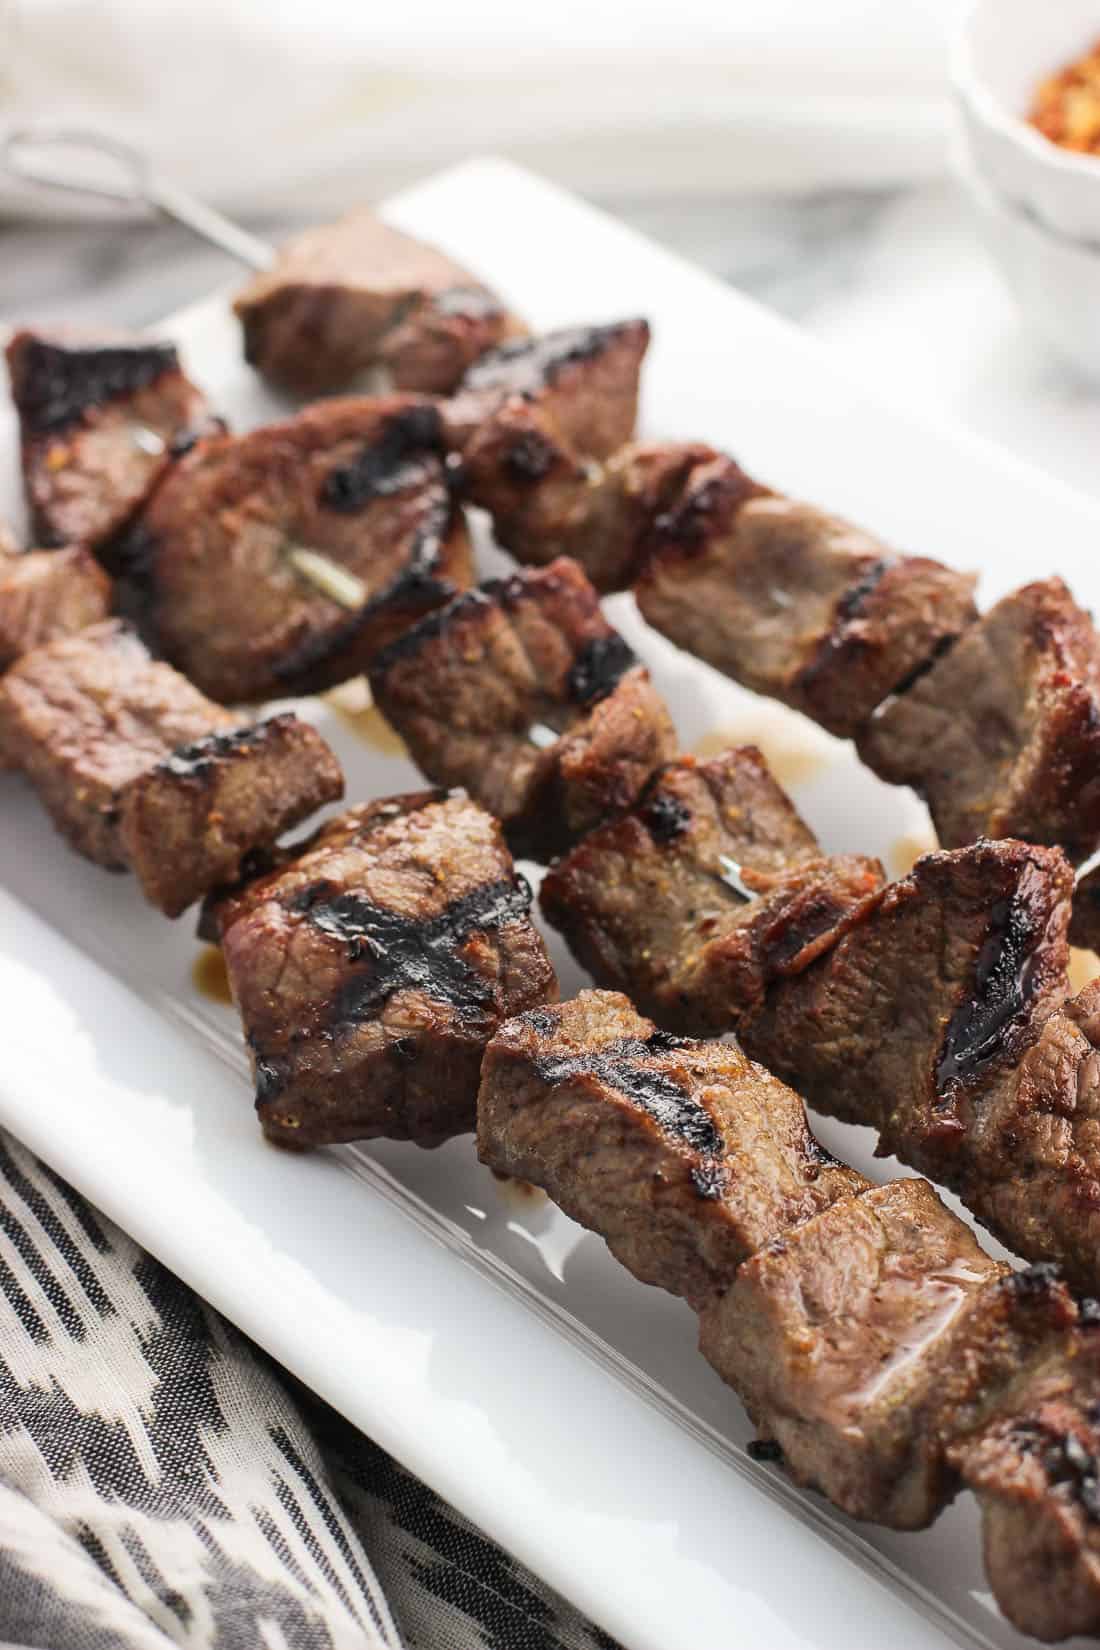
(479, 1335)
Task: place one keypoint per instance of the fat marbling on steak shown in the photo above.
(355, 294)
(706, 890)
(100, 420)
(871, 1339)
(522, 692)
(359, 481)
(139, 770)
(1002, 736)
(372, 966)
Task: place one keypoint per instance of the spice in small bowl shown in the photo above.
(1066, 105)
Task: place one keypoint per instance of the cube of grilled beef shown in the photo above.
(581, 381)
(100, 418)
(940, 1019)
(1084, 928)
(371, 969)
(356, 294)
(1002, 736)
(138, 769)
(1035, 1468)
(523, 693)
(684, 1156)
(547, 501)
(710, 887)
(793, 602)
(362, 483)
(48, 593)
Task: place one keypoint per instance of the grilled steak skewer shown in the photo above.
(100, 420)
(48, 593)
(372, 965)
(357, 294)
(867, 1332)
(524, 694)
(709, 888)
(138, 770)
(215, 559)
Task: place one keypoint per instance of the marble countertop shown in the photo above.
(895, 280)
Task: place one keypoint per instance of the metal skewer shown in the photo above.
(26, 152)
(36, 155)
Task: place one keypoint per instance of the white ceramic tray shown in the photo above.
(479, 1335)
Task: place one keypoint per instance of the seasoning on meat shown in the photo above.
(523, 693)
(793, 602)
(1002, 735)
(100, 421)
(870, 1337)
(48, 593)
(709, 888)
(357, 294)
(372, 966)
(137, 769)
(360, 483)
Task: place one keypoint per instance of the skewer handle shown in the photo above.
(25, 153)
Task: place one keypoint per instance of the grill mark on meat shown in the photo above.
(1003, 976)
(410, 955)
(1066, 1463)
(417, 575)
(664, 816)
(530, 457)
(542, 358)
(59, 385)
(433, 624)
(624, 1066)
(598, 668)
(690, 521)
(197, 758)
(386, 465)
(849, 606)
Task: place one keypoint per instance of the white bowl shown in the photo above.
(1055, 281)
(1002, 50)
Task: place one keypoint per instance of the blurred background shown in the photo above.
(798, 149)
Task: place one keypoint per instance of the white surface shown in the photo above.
(1001, 53)
(1054, 281)
(483, 1339)
(291, 107)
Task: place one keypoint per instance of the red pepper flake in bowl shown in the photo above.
(1066, 106)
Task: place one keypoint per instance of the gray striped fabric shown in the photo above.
(163, 1483)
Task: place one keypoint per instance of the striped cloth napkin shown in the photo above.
(163, 1483)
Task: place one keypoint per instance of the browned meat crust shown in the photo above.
(708, 889)
(372, 967)
(188, 823)
(684, 1156)
(100, 420)
(361, 481)
(48, 593)
(792, 602)
(357, 294)
(582, 381)
(523, 693)
(941, 1020)
(137, 768)
(870, 1337)
(1084, 928)
(1002, 736)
